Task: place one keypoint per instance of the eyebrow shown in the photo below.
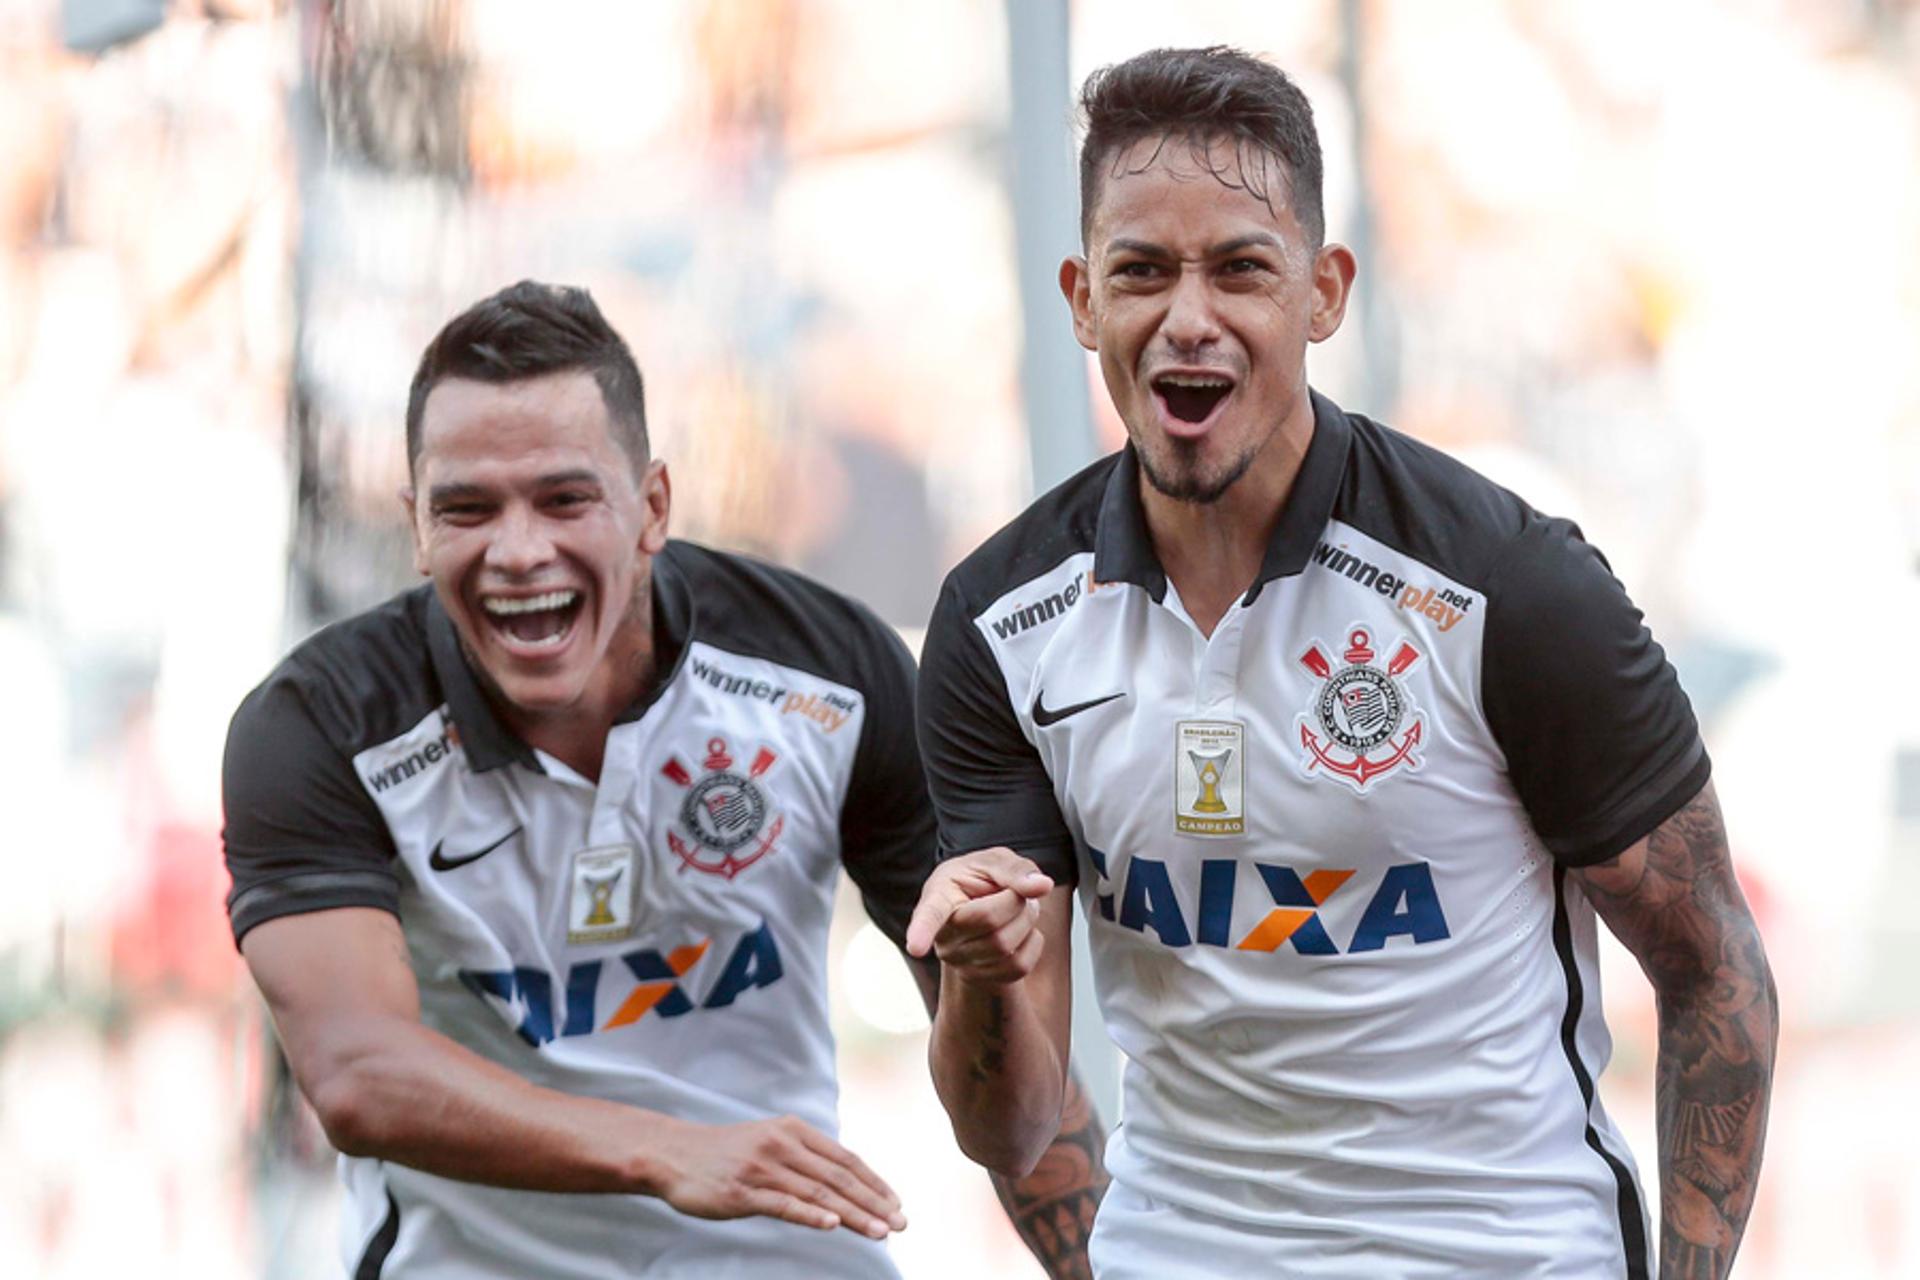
(578, 475)
(453, 493)
(1255, 239)
(457, 491)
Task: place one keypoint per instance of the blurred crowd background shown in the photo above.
(1653, 263)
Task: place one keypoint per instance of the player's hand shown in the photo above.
(782, 1168)
(981, 914)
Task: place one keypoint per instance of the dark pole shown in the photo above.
(1053, 384)
(1378, 350)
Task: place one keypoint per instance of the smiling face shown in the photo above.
(1200, 299)
(539, 541)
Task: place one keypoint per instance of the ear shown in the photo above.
(1334, 267)
(656, 503)
(413, 527)
(1076, 282)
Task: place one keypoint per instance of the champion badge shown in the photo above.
(1210, 778)
(724, 814)
(600, 907)
(1359, 709)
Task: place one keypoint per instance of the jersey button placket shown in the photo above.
(1216, 686)
(619, 775)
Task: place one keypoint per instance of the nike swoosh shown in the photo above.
(1043, 717)
(439, 863)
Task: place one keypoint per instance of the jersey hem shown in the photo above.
(307, 892)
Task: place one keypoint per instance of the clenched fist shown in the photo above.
(980, 913)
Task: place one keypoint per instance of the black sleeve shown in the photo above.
(988, 784)
(301, 832)
(886, 827)
(1600, 740)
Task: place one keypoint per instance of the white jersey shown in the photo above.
(1323, 852)
(657, 939)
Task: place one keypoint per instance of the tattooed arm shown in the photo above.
(1052, 1208)
(1673, 900)
(1003, 932)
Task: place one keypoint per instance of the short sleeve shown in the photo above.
(988, 784)
(1600, 740)
(301, 833)
(886, 828)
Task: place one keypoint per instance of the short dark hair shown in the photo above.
(1200, 96)
(528, 330)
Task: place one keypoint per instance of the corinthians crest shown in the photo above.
(724, 813)
(1359, 709)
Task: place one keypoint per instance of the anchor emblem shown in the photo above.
(1360, 707)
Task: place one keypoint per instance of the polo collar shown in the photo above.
(489, 743)
(1123, 550)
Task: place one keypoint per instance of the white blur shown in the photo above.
(1654, 265)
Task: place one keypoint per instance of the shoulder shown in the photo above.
(1060, 523)
(360, 681)
(1545, 585)
(747, 606)
(1429, 505)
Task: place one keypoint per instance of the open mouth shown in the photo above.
(534, 622)
(1191, 397)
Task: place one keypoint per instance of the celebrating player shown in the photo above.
(1344, 747)
(534, 864)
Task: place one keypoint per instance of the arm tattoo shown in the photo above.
(990, 1055)
(1052, 1208)
(1679, 910)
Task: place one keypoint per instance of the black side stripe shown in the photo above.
(1633, 1228)
(381, 1245)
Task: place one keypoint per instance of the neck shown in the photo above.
(1212, 551)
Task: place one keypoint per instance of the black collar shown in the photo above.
(1123, 550)
(489, 743)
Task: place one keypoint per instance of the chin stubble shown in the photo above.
(1192, 487)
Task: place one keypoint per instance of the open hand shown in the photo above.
(782, 1168)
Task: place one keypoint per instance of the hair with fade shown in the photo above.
(1201, 96)
(529, 330)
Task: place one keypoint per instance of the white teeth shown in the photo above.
(502, 606)
(1194, 380)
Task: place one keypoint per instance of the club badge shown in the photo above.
(1210, 778)
(600, 906)
(723, 826)
(1359, 709)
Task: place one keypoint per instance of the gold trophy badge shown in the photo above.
(600, 892)
(1209, 769)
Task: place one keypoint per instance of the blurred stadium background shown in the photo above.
(1654, 264)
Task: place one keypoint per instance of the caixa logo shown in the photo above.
(642, 981)
(1404, 904)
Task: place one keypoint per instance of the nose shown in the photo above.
(1190, 322)
(519, 545)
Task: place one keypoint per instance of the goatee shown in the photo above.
(1188, 483)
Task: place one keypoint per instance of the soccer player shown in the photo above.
(1345, 748)
(534, 864)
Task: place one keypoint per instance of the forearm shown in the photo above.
(1712, 1082)
(1053, 1207)
(1672, 898)
(997, 1071)
(399, 1091)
